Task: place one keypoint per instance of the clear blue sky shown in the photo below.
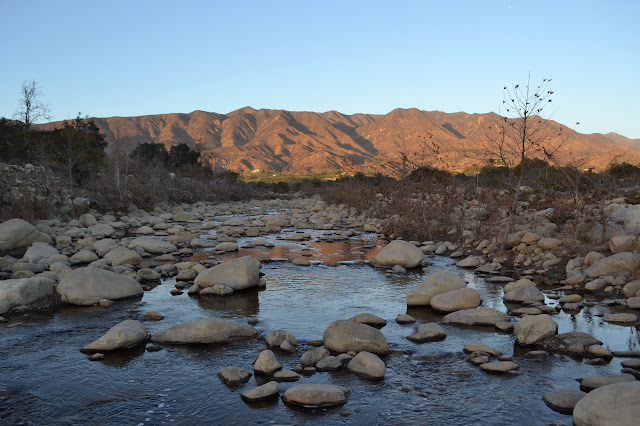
(108, 58)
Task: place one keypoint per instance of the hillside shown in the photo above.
(303, 142)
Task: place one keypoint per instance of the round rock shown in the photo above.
(316, 395)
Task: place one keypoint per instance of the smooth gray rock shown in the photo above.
(238, 274)
(24, 291)
(312, 356)
(89, 285)
(152, 245)
(398, 252)
(344, 336)
(266, 363)
(524, 294)
(564, 400)
(234, 376)
(436, 283)
(428, 332)
(207, 330)
(590, 383)
(126, 334)
(478, 316)
(616, 404)
(499, 366)
(456, 300)
(531, 328)
(313, 395)
(367, 365)
(16, 235)
(276, 338)
(369, 319)
(261, 393)
(329, 363)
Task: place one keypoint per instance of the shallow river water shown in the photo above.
(46, 380)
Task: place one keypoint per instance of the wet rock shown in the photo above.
(479, 347)
(405, 319)
(621, 318)
(266, 363)
(88, 285)
(126, 334)
(316, 395)
(234, 376)
(16, 235)
(343, 336)
(261, 393)
(478, 316)
(617, 404)
(369, 319)
(301, 261)
(590, 383)
(329, 363)
(398, 269)
(428, 332)
(186, 275)
(216, 290)
(208, 330)
(499, 366)
(572, 298)
(312, 356)
(152, 316)
(524, 294)
(286, 376)
(504, 326)
(367, 365)
(278, 338)
(631, 363)
(344, 358)
(238, 274)
(531, 328)
(523, 282)
(436, 283)
(574, 342)
(23, 291)
(398, 252)
(456, 300)
(4, 305)
(563, 400)
(96, 357)
(470, 262)
(148, 275)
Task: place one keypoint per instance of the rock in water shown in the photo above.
(343, 336)
(398, 252)
(123, 335)
(369, 319)
(16, 235)
(88, 285)
(316, 395)
(590, 383)
(266, 363)
(25, 290)
(261, 393)
(428, 332)
(531, 328)
(207, 330)
(564, 400)
(152, 245)
(234, 376)
(278, 337)
(367, 365)
(456, 300)
(436, 283)
(478, 316)
(617, 404)
(238, 274)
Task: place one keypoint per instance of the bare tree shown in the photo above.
(31, 108)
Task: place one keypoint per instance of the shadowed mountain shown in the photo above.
(302, 142)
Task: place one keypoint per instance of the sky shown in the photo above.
(128, 58)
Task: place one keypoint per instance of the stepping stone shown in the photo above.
(590, 383)
(499, 366)
(564, 400)
(261, 393)
(428, 332)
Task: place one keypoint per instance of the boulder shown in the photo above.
(152, 245)
(261, 393)
(101, 230)
(499, 366)
(266, 363)
(622, 243)
(548, 243)
(436, 283)
(621, 318)
(428, 332)
(369, 319)
(16, 235)
(612, 265)
(398, 252)
(122, 256)
(574, 342)
(531, 328)
(313, 395)
(276, 338)
(616, 404)
(564, 400)
(207, 330)
(238, 274)
(102, 247)
(590, 383)
(126, 334)
(344, 336)
(631, 288)
(329, 363)
(517, 284)
(313, 356)
(367, 365)
(24, 291)
(456, 300)
(39, 251)
(83, 257)
(479, 347)
(524, 294)
(470, 262)
(234, 376)
(478, 316)
(405, 319)
(88, 285)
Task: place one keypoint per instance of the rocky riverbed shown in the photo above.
(284, 311)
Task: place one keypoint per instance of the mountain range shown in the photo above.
(305, 142)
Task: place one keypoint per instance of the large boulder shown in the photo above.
(16, 235)
(343, 336)
(531, 328)
(456, 300)
(563, 400)
(126, 334)
(478, 316)
(613, 265)
(524, 294)
(25, 290)
(617, 404)
(207, 330)
(436, 283)
(367, 365)
(89, 285)
(594, 382)
(313, 395)
(152, 245)
(237, 274)
(122, 256)
(398, 252)
(622, 243)
(39, 251)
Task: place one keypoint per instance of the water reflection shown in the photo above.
(244, 303)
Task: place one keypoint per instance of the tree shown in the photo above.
(31, 108)
(522, 134)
